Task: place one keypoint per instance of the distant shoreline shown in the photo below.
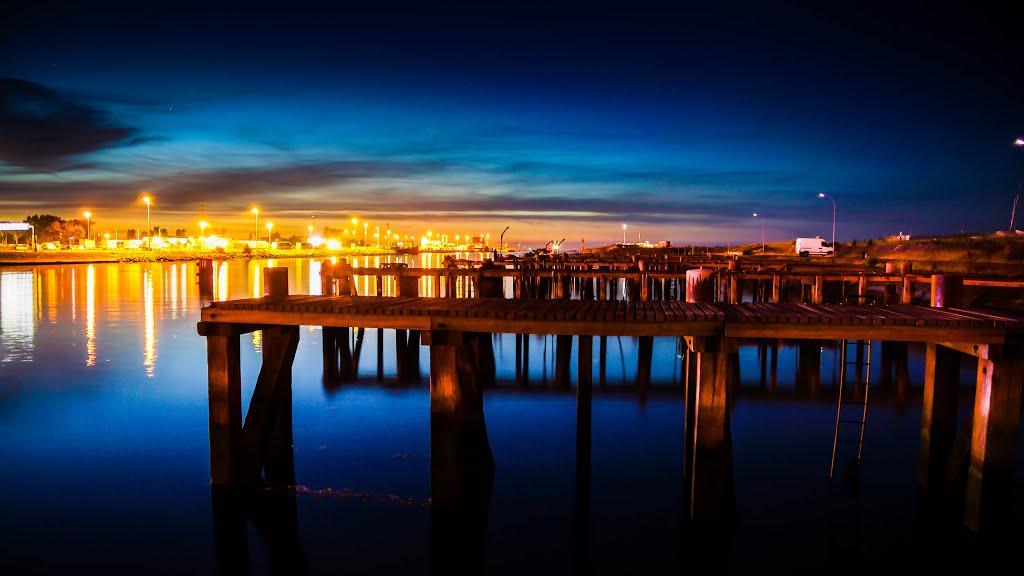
(44, 257)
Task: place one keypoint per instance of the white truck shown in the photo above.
(816, 245)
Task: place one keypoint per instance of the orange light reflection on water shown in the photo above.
(149, 325)
(90, 316)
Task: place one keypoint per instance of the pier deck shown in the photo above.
(258, 447)
(896, 322)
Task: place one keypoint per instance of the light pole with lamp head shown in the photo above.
(1019, 142)
(623, 233)
(149, 239)
(88, 222)
(823, 195)
(256, 214)
(757, 215)
(270, 226)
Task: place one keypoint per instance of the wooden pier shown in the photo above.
(458, 333)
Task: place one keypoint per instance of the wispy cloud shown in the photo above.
(43, 130)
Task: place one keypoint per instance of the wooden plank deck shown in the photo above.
(617, 318)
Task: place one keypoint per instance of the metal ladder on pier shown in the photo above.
(852, 404)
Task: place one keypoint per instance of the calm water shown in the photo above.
(105, 455)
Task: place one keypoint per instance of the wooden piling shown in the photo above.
(700, 285)
(947, 291)
(710, 483)
(458, 432)
(225, 400)
(938, 414)
(994, 438)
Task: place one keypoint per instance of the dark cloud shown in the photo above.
(43, 130)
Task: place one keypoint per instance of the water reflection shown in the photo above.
(90, 316)
(149, 324)
(221, 276)
(17, 322)
(347, 433)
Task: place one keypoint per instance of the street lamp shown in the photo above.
(149, 241)
(365, 226)
(88, 221)
(376, 235)
(256, 213)
(756, 215)
(270, 226)
(823, 195)
(202, 226)
(623, 233)
(1019, 142)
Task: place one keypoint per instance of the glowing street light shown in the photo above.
(623, 233)
(310, 228)
(270, 226)
(365, 226)
(149, 241)
(376, 235)
(1019, 142)
(88, 221)
(823, 195)
(756, 215)
(202, 226)
(256, 213)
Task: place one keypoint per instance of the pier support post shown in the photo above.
(205, 275)
(225, 397)
(584, 378)
(268, 421)
(907, 292)
(711, 495)
(994, 438)
(644, 356)
(461, 462)
(938, 413)
(338, 361)
(461, 456)
(563, 356)
(585, 361)
(808, 377)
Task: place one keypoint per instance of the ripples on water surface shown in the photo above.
(104, 444)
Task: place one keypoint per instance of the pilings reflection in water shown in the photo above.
(252, 468)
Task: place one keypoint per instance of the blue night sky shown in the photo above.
(558, 120)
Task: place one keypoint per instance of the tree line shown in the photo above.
(50, 228)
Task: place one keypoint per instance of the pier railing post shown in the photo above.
(700, 285)
(947, 291)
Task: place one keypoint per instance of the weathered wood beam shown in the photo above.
(272, 391)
